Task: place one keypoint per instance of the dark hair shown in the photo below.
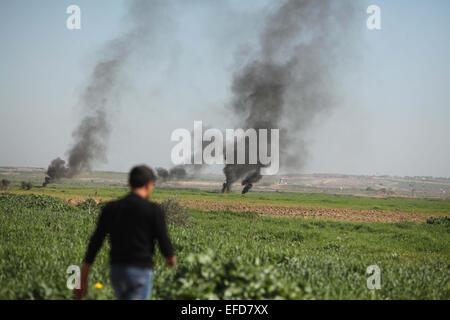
(141, 175)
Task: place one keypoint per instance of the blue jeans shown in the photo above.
(130, 282)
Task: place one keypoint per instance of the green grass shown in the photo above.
(414, 205)
(229, 255)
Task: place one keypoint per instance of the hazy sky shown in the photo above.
(393, 118)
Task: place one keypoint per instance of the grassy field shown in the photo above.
(288, 199)
(232, 254)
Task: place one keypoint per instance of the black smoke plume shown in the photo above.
(288, 80)
(103, 92)
(247, 188)
(56, 170)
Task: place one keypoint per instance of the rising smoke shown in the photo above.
(289, 79)
(283, 84)
(104, 89)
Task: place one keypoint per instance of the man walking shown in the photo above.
(133, 224)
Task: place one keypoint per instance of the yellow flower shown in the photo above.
(98, 285)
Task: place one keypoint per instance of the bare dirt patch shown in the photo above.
(310, 213)
(76, 201)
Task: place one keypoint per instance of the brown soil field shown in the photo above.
(336, 214)
(310, 213)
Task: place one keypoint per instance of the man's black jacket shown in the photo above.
(133, 224)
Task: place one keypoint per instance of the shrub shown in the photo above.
(15, 202)
(439, 220)
(176, 214)
(90, 205)
(207, 276)
(26, 185)
(5, 184)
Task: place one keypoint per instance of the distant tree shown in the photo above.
(5, 184)
(26, 185)
(162, 173)
(177, 173)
